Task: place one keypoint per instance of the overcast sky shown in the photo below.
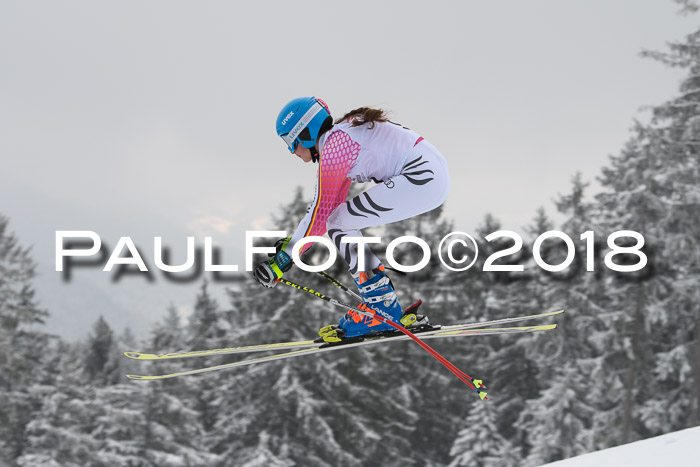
(156, 118)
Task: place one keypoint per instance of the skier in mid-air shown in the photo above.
(411, 178)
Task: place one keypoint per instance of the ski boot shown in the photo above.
(378, 296)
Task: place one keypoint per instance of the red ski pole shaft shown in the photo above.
(457, 372)
(465, 378)
(345, 289)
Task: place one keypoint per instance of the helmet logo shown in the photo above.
(286, 119)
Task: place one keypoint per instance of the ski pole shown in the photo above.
(338, 284)
(342, 287)
(369, 312)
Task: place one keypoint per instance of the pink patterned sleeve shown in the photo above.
(332, 185)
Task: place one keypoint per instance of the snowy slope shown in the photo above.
(678, 449)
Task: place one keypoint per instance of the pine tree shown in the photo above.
(168, 335)
(677, 125)
(125, 425)
(102, 357)
(62, 434)
(559, 422)
(652, 187)
(480, 443)
(20, 363)
(207, 329)
(19, 312)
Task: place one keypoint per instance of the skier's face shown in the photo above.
(303, 153)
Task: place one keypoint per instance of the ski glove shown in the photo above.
(269, 271)
(280, 245)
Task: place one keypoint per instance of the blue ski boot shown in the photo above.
(378, 294)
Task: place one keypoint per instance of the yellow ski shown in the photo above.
(323, 347)
(313, 344)
(205, 353)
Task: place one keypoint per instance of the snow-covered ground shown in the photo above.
(677, 449)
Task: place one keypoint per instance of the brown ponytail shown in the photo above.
(364, 115)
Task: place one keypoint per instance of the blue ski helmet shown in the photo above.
(301, 120)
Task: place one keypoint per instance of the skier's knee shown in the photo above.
(334, 220)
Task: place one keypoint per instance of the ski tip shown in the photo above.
(144, 377)
(482, 395)
(139, 356)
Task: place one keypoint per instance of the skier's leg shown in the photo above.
(421, 186)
